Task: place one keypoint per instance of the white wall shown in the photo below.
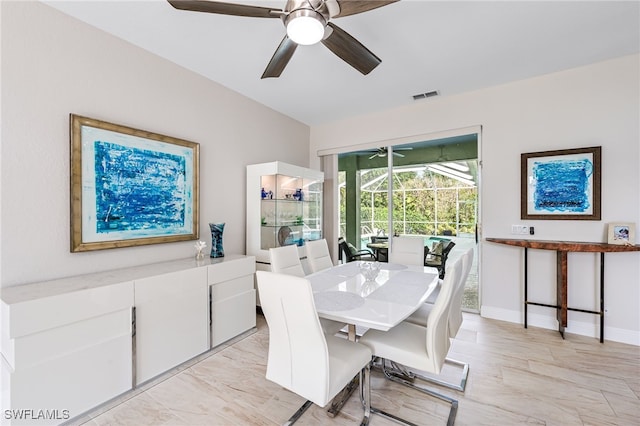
(54, 65)
(596, 105)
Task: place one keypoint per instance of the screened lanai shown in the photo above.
(434, 193)
(436, 199)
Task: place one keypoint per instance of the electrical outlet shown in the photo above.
(519, 229)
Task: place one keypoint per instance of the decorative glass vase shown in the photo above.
(216, 239)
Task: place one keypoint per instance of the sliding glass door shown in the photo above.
(426, 189)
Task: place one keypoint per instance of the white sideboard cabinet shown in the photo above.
(71, 344)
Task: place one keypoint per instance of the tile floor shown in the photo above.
(517, 376)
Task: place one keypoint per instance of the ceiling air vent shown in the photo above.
(425, 95)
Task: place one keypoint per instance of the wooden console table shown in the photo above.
(562, 248)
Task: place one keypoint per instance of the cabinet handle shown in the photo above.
(134, 351)
(209, 334)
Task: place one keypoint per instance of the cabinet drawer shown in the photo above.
(77, 381)
(224, 271)
(42, 314)
(231, 288)
(26, 325)
(232, 317)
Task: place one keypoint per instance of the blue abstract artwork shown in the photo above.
(562, 185)
(134, 187)
(138, 189)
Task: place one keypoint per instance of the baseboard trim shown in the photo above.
(613, 334)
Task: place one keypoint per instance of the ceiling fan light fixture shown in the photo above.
(305, 26)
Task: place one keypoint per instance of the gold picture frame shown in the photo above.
(131, 187)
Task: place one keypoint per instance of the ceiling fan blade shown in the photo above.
(352, 7)
(351, 50)
(280, 58)
(373, 156)
(397, 154)
(223, 8)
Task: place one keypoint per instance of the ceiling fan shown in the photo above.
(382, 152)
(307, 22)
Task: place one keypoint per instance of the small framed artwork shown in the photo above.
(561, 185)
(621, 233)
(131, 187)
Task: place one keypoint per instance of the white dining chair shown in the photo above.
(420, 317)
(318, 256)
(301, 358)
(286, 260)
(418, 347)
(455, 317)
(407, 250)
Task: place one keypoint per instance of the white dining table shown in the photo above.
(341, 293)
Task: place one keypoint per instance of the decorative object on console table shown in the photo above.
(216, 239)
(622, 234)
(562, 184)
(131, 187)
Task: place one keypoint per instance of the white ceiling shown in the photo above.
(448, 46)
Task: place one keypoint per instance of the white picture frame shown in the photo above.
(621, 233)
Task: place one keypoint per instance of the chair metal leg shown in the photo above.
(298, 413)
(392, 417)
(395, 378)
(404, 373)
(401, 370)
(341, 398)
(365, 399)
(365, 393)
(408, 382)
(463, 380)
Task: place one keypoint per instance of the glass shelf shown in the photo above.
(286, 219)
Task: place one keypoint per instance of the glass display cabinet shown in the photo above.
(284, 207)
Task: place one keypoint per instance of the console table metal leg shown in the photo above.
(602, 297)
(561, 289)
(526, 297)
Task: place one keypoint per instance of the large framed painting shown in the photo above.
(131, 187)
(561, 185)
